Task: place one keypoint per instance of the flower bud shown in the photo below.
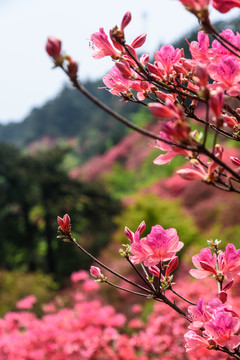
(216, 102)
(235, 160)
(53, 47)
(72, 68)
(201, 75)
(95, 272)
(126, 20)
(139, 41)
(230, 121)
(124, 69)
(172, 265)
(141, 227)
(129, 234)
(64, 222)
(154, 270)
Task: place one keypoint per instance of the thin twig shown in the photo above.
(71, 239)
(127, 290)
(138, 272)
(183, 298)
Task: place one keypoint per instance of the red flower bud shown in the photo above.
(64, 223)
(95, 271)
(139, 41)
(129, 234)
(126, 20)
(53, 47)
(172, 265)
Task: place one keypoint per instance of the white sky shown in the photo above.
(26, 78)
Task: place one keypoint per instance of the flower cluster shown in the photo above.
(176, 90)
(208, 79)
(220, 323)
(156, 248)
(224, 265)
(89, 329)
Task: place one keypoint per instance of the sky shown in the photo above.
(26, 76)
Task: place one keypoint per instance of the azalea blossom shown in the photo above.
(227, 73)
(102, 46)
(166, 57)
(171, 151)
(26, 303)
(194, 342)
(159, 246)
(205, 263)
(231, 262)
(223, 329)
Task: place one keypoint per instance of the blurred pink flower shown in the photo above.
(79, 275)
(26, 303)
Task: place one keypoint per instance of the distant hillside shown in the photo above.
(71, 115)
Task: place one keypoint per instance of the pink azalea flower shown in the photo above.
(224, 6)
(171, 151)
(115, 82)
(205, 263)
(218, 49)
(200, 50)
(201, 313)
(192, 174)
(102, 46)
(159, 246)
(139, 251)
(196, 5)
(223, 328)
(227, 73)
(79, 276)
(163, 111)
(26, 303)
(232, 262)
(194, 342)
(166, 57)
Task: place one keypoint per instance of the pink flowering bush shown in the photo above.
(179, 92)
(89, 329)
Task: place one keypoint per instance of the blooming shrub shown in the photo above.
(172, 87)
(92, 330)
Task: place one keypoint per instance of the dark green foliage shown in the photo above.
(36, 190)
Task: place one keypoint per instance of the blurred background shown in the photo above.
(59, 153)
